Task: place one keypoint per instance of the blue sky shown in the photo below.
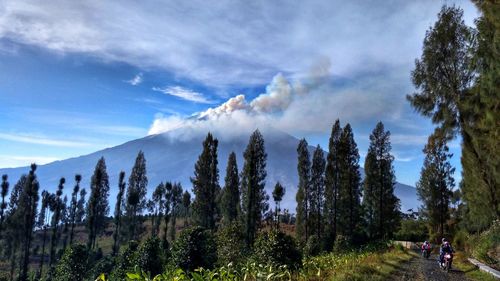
(79, 77)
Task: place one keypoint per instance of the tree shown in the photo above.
(278, 193)
(195, 247)
(456, 78)
(186, 203)
(332, 185)
(480, 150)
(14, 219)
(97, 205)
(303, 191)
(73, 264)
(74, 206)
(136, 195)
(43, 220)
(176, 202)
(317, 192)
(118, 212)
(254, 197)
(380, 203)
(80, 207)
(230, 204)
(166, 217)
(3, 205)
(206, 184)
(28, 201)
(56, 207)
(158, 205)
(349, 207)
(435, 185)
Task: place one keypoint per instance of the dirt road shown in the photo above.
(422, 269)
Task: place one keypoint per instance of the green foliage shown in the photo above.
(150, 256)
(349, 205)
(460, 239)
(230, 199)
(125, 261)
(317, 193)
(104, 265)
(231, 247)
(136, 196)
(435, 185)
(313, 246)
(97, 205)
(303, 192)
(277, 249)
(484, 246)
(332, 185)
(195, 247)
(73, 264)
(206, 184)
(253, 195)
(412, 230)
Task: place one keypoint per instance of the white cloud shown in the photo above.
(27, 138)
(12, 161)
(308, 105)
(183, 93)
(136, 80)
(228, 42)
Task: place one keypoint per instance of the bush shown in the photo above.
(460, 240)
(194, 248)
(149, 257)
(313, 246)
(342, 244)
(231, 246)
(412, 230)
(125, 262)
(73, 264)
(104, 265)
(277, 249)
(485, 246)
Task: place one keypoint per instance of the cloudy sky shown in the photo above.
(79, 76)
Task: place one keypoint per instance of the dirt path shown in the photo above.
(421, 269)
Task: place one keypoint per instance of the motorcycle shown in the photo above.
(426, 252)
(446, 264)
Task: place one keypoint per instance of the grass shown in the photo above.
(378, 265)
(471, 271)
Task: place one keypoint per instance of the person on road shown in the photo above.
(445, 248)
(426, 247)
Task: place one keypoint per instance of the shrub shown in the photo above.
(149, 257)
(73, 264)
(342, 244)
(313, 246)
(125, 262)
(194, 248)
(231, 246)
(277, 249)
(412, 230)
(460, 240)
(485, 245)
(104, 265)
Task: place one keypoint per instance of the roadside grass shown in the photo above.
(378, 265)
(470, 270)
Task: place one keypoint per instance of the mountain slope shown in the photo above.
(171, 157)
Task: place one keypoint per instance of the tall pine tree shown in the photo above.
(28, 201)
(136, 196)
(380, 203)
(74, 206)
(230, 203)
(118, 212)
(206, 184)
(303, 191)
(278, 193)
(176, 203)
(253, 195)
(332, 185)
(3, 205)
(435, 185)
(56, 218)
(349, 207)
(97, 205)
(317, 193)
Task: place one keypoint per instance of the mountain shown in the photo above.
(171, 157)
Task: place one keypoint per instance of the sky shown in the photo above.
(80, 76)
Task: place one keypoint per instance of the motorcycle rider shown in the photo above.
(445, 248)
(426, 247)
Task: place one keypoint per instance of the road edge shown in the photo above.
(485, 268)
